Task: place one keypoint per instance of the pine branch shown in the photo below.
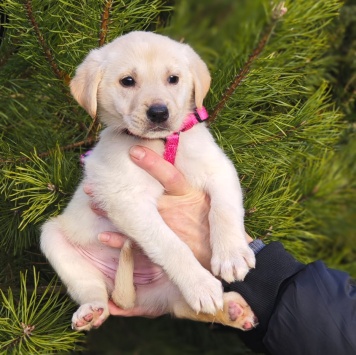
(102, 39)
(60, 74)
(104, 23)
(40, 290)
(32, 323)
(40, 188)
(277, 12)
(84, 143)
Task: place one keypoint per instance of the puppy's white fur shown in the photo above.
(129, 194)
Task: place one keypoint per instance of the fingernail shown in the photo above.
(137, 152)
(104, 237)
(87, 189)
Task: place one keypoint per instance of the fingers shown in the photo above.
(112, 239)
(100, 212)
(248, 238)
(133, 312)
(88, 189)
(172, 180)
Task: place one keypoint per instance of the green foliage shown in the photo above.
(34, 323)
(36, 186)
(344, 49)
(283, 103)
(34, 191)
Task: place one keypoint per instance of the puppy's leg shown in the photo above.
(124, 291)
(236, 313)
(231, 256)
(84, 282)
(201, 289)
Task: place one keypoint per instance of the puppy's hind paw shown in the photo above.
(237, 313)
(90, 315)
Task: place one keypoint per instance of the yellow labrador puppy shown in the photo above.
(148, 89)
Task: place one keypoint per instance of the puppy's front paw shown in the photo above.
(90, 315)
(237, 313)
(233, 262)
(204, 294)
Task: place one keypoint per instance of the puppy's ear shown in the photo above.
(201, 76)
(84, 85)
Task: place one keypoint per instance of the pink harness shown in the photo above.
(172, 141)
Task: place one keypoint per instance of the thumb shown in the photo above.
(112, 239)
(164, 172)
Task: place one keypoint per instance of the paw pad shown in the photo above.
(234, 310)
(88, 316)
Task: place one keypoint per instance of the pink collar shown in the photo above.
(172, 141)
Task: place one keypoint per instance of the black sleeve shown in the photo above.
(302, 310)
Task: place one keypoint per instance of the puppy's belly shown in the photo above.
(107, 260)
(81, 226)
(102, 258)
(155, 293)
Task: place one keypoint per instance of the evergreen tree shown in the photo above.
(281, 105)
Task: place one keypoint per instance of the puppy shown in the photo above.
(148, 90)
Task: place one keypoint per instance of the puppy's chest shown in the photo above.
(198, 157)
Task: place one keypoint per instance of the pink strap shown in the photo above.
(199, 115)
(171, 147)
(172, 141)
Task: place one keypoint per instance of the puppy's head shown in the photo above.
(143, 82)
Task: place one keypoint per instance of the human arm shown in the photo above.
(302, 309)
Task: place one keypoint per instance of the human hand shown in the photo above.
(184, 209)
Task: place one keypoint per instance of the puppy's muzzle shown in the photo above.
(157, 113)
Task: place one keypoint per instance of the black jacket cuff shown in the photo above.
(274, 265)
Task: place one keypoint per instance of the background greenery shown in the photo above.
(283, 99)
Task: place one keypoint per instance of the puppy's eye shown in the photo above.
(128, 81)
(173, 79)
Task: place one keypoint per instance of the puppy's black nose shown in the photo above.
(157, 113)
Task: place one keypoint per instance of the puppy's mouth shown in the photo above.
(159, 129)
(153, 132)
